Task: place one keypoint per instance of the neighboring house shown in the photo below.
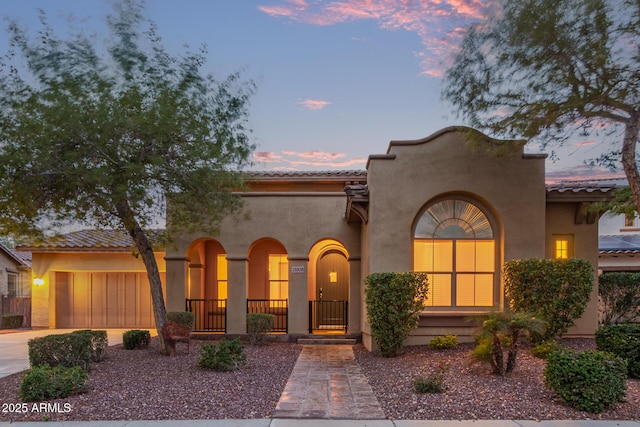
(438, 205)
(15, 283)
(619, 243)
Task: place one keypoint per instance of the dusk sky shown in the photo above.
(337, 79)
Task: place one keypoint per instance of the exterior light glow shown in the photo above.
(333, 277)
(38, 281)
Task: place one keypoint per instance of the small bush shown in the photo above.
(623, 341)
(46, 383)
(184, 318)
(433, 382)
(589, 381)
(224, 356)
(99, 343)
(258, 324)
(11, 321)
(543, 349)
(136, 339)
(444, 342)
(74, 349)
(394, 301)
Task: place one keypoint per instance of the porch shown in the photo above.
(324, 317)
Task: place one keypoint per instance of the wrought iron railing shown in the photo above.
(211, 314)
(278, 307)
(328, 315)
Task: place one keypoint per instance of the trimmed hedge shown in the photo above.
(619, 296)
(623, 341)
(136, 339)
(11, 321)
(74, 349)
(557, 290)
(394, 301)
(223, 356)
(589, 381)
(46, 383)
(99, 343)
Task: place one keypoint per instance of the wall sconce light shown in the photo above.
(38, 281)
(333, 277)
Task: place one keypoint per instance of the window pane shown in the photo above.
(439, 290)
(221, 270)
(474, 290)
(484, 290)
(485, 256)
(433, 255)
(465, 290)
(278, 267)
(465, 255)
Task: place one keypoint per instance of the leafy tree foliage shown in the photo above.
(549, 69)
(99, 134)
(556, 290)
(393, 303)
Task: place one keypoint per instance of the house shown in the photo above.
(619, 243)
(439, 204)
(15, 283)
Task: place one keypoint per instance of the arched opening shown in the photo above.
(207, 285)
(328, 287)
(268, 286)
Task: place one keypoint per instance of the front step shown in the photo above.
(327, 341)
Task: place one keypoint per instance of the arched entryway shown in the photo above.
(268, 286)
(207, 287)
(328, 287)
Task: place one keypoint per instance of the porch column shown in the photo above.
(298, 304)
(237, 294)
(355, 295)
(177, 278)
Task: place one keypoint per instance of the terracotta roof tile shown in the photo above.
(84, 240)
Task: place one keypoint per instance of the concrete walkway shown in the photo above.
(326, 382)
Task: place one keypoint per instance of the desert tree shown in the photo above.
(552, 70)
(102, 133)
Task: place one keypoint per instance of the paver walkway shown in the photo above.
(326, 382)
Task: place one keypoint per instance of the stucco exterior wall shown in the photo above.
(413, 173)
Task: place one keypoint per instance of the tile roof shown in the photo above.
(84, 240)
(23, 258)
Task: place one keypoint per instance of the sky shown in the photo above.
(337, 80)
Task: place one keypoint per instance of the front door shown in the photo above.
(332, 289)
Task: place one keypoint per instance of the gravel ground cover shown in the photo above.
(143, 384)
(472, 392)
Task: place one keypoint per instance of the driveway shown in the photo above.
(14, 351)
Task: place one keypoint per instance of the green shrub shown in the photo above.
(624, 341)
(11, 321)
(446, 342)
(393, 303)
(99, 343)
(589, 381)
(184, 318)
(543, 349)
(224, 356)
(135, 338)
(433, 382)
(619, 297)
(556, 290)
(258, 324)
(62, 349)
(46, 383)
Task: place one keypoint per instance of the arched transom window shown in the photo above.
(454, 243)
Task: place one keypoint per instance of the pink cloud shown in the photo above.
(585, 143)
(293, 160)
(436, 22)
(314, 104)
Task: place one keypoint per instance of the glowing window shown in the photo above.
(221, 272)
(454, 242)
(563, 246)
(278, 277)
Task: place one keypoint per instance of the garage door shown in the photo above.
(103, 300)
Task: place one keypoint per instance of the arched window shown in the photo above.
(454, 243)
